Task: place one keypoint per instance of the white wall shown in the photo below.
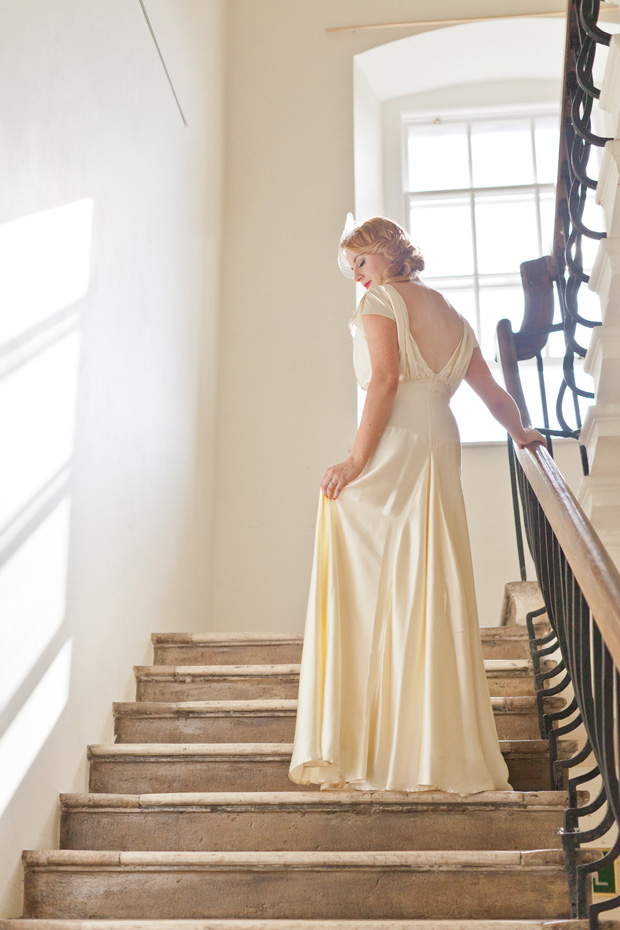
(287, 394)
(368, 148)
(110, 227)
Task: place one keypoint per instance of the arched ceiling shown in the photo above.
(497, 50)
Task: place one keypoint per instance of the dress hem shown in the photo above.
(360, 784)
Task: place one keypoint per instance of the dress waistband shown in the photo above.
(433, 384)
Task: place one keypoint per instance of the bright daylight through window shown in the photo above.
(479, 200)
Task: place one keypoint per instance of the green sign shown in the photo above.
(604, 881)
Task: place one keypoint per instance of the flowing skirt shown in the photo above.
(393, 692)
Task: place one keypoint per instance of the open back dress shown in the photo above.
(393, 692)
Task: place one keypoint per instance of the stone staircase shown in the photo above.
(191, 822)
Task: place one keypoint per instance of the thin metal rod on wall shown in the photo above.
(453, 22)
(163, 61)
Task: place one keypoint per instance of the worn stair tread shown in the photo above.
(493, 860)
(516, 704)
(267, 638)
(280, 750)
(204, 708)
(227, 671)
(223, 638)
(281, 680)
(297, 884)
(232, 923)
(324, 800)
(187, 648)
(167, 672)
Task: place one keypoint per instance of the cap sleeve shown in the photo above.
(470, 332)
(377, 300)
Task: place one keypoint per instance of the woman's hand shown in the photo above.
(337, 476)
(529, 436)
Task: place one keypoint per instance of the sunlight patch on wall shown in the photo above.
(44, 272)
(37, 423)
(32, 595)
(44, 265)
(24, 738)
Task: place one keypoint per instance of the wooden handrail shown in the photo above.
(594, 571)
(537, 281)
(507, 357)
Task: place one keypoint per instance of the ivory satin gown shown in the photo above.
(393, 692)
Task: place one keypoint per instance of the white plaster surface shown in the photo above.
(110, 227)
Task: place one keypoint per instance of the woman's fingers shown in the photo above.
(331, 484)
(337, 477)
(532, 435)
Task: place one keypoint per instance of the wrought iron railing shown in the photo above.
(581, 591)
(583, 37)
(579, 583)
(564, 268)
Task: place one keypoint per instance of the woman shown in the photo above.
(393, 692)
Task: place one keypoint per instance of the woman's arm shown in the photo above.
(499, 402)
(382, 339)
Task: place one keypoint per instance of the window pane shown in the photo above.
(442, 229)
(556, 346)
(547, 149)
(506, 232)
(498, 303)
(547, 220)
(502, 153)
(430, 149)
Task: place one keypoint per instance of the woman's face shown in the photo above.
(367, 268)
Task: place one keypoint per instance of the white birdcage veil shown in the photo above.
(343, 264)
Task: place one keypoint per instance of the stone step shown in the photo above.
(227, 648)
(316, 820)
(505, 677)
(148, 768)
(318, 885)
(273, 721)
(50, 924)
(498, 642)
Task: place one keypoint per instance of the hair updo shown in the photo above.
(378, 234)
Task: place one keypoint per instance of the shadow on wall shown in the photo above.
(44, 274)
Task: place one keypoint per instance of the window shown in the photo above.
(479, 199)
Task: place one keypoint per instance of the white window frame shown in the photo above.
(409, 195)
(397, 118)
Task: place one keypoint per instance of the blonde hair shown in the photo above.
(378, 234)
